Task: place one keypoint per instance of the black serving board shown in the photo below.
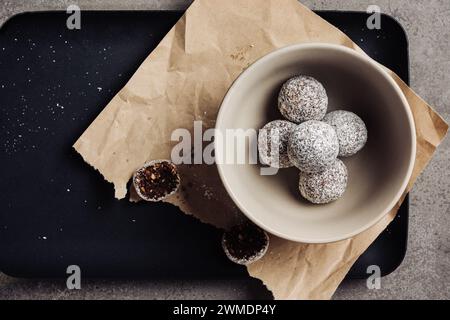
(55, 210)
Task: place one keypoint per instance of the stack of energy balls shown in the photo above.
(312, 140)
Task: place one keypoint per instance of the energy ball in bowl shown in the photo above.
(350, 129)
(313, 146)
(325, 186)
(277, 132)
(302, 98)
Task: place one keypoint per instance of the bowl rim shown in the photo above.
(378, 68)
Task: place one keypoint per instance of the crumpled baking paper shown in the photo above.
(185, 79)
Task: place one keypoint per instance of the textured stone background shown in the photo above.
(425, 272)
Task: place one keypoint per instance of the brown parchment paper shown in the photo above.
(185, 79)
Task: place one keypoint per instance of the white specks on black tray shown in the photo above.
(208, 194)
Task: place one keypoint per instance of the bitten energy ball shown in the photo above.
(276, 132)
(350, 129)
(156, 180)
(313, 146)
(245, 243)
(326, 186)
(302, 98)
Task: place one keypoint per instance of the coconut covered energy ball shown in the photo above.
(313, 146)
(350, 129)
(274, 138)
(302, 98)
(325, 186)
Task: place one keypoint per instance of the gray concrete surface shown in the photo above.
(425, 272)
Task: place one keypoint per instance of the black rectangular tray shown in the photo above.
(55, 210)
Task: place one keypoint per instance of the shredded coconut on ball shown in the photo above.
(302, 98)
(276, 132)
(350, 129)
(326, 186)
(313, 146)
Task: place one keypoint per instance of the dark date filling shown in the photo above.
(245, 241)
(156, 181)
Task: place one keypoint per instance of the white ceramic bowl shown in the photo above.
(378, 174)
